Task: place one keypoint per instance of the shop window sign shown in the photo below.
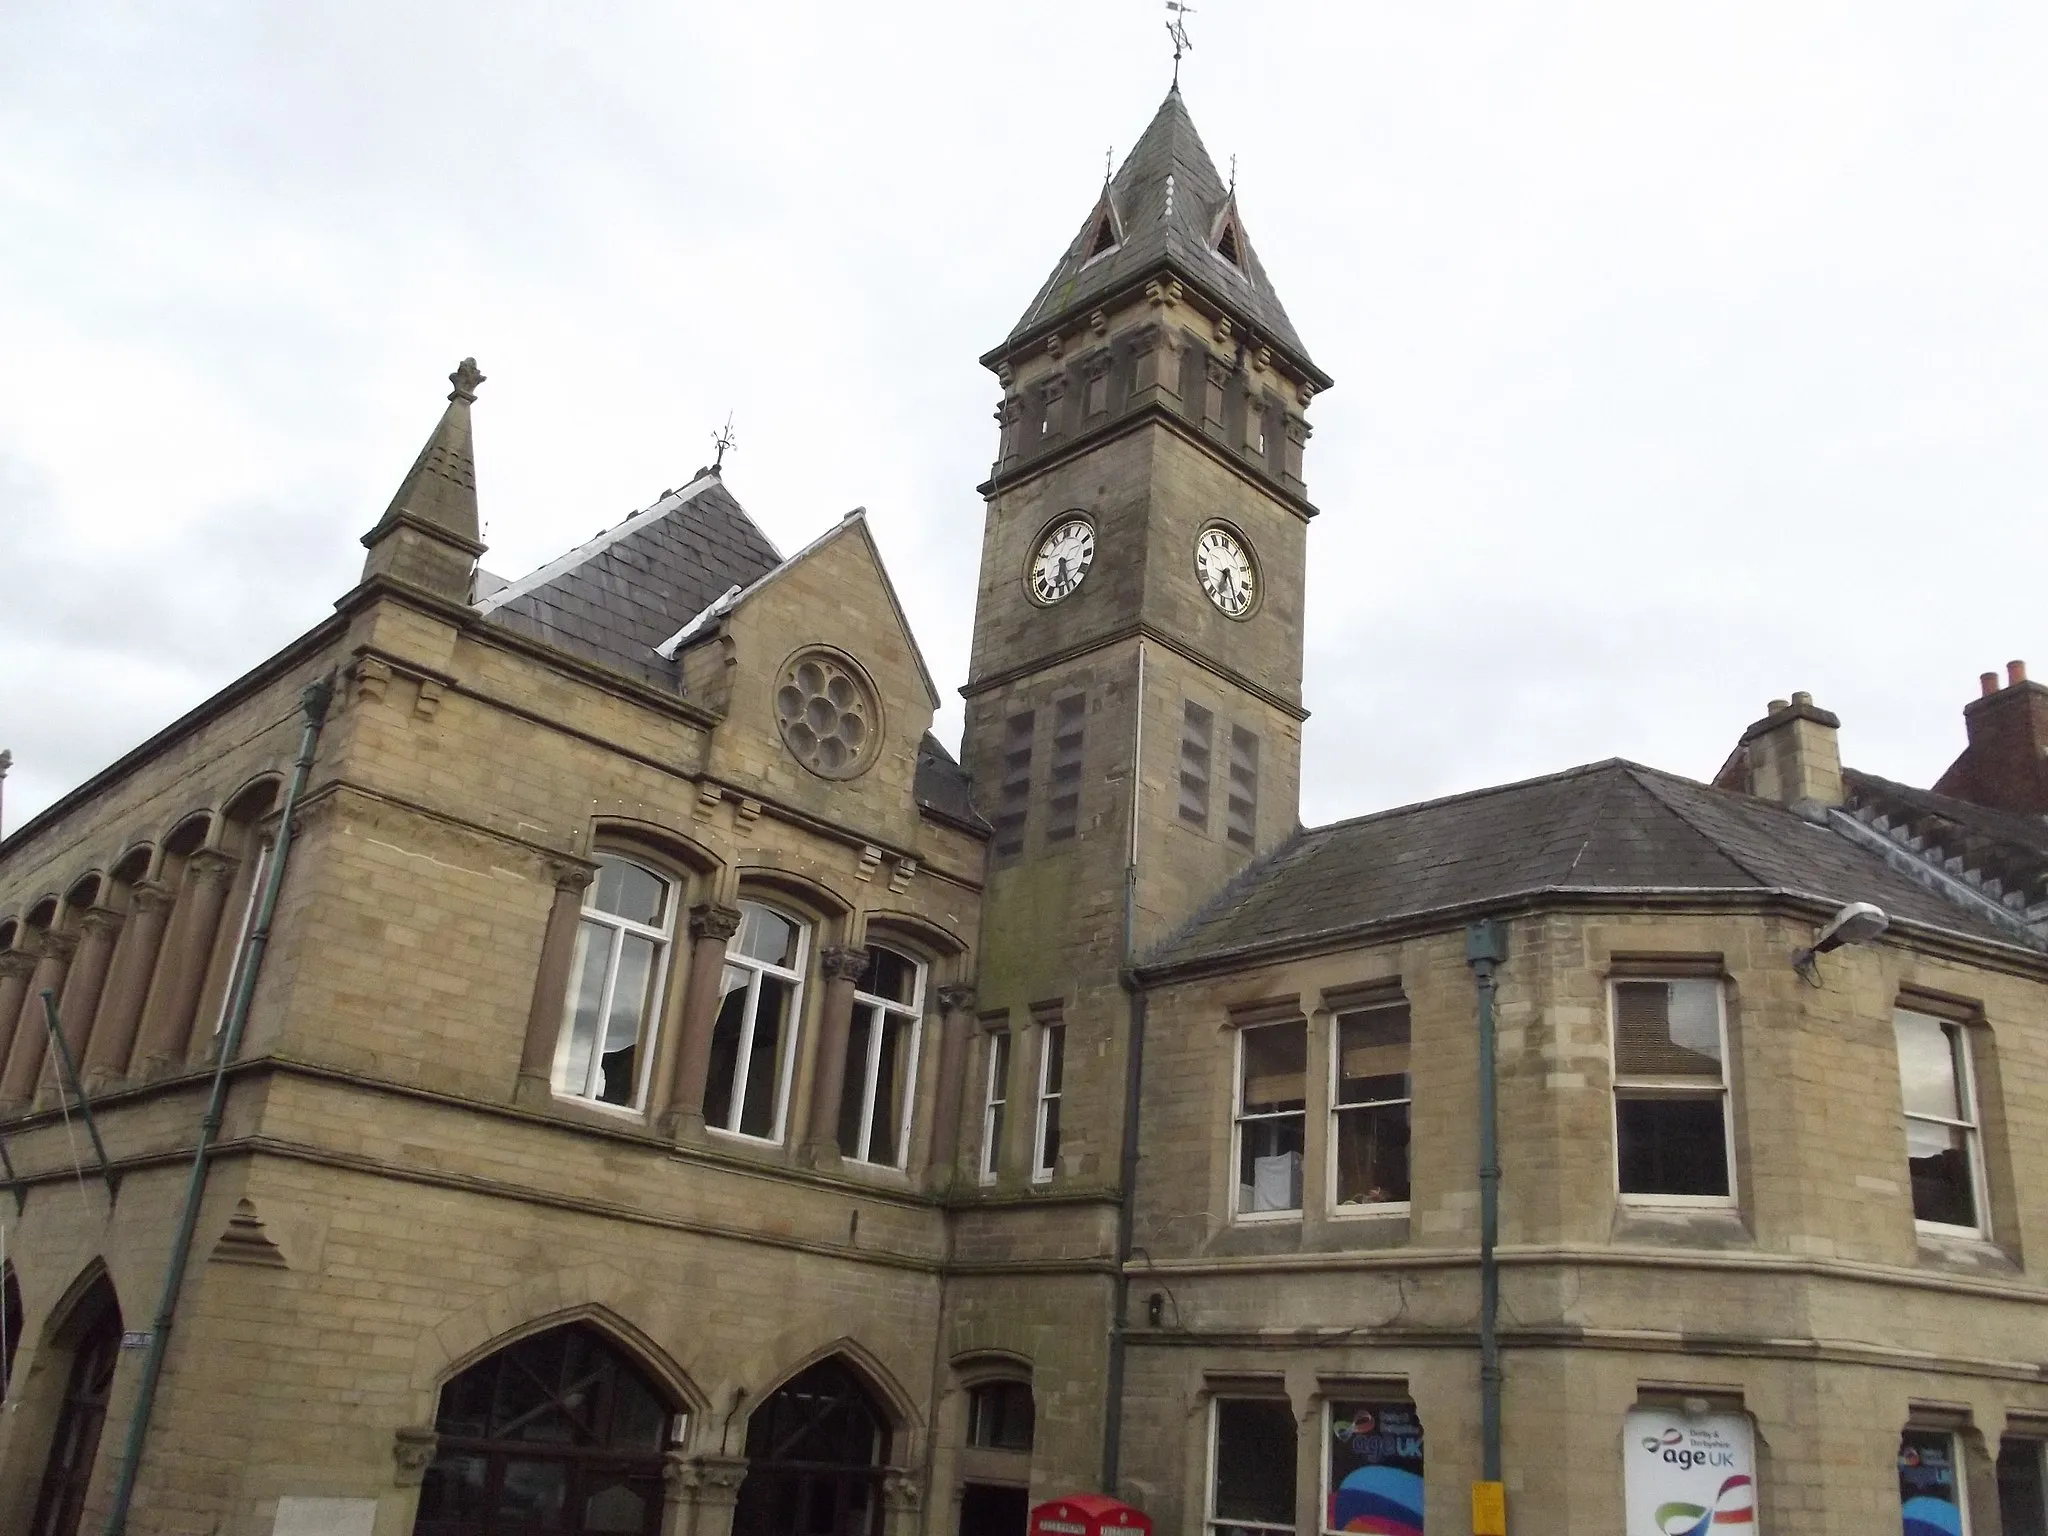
(1930, 1503)
(1374, 1456)
(1689, 1474)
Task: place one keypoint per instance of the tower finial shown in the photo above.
(1177, 29)
(465, 378)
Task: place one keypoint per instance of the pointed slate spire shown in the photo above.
(428, 537)
(1171, 209)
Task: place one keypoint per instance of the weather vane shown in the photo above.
(723, 439)
(1177, 29)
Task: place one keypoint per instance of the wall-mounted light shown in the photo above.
(1857, 923)
(1155, 1307)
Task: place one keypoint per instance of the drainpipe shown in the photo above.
(1486, 946)
(313, 704)
(1127, 1168)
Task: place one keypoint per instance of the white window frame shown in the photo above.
(662, 938)
(238, 956)
(882, 1009)
(1238, 1117)
(1963, 1058)
(1955, 1458)
(1327, 1412)
(1212, 1525)
(743, 1060)
(995, 1104)
(1042, 1171)
(1671, 1088)
(1336, 1211)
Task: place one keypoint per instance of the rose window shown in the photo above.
(827, 714)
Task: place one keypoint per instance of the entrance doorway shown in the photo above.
(95, 1346)
(815, 1453)
(987, 1509)
(559, 1433)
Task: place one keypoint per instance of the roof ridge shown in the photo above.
(590, 549)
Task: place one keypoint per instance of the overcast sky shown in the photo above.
(1686, 355)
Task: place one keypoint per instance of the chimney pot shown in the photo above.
(1777, 706)
(1988, 681)
(1802, 700)
(2015, 673)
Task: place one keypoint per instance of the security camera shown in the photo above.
(1857, 923)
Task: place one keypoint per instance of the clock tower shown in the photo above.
(1134, 696)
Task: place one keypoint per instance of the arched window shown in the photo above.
(999, 1416)
(559, 1432)
(815, 1452)
(754, 1039)
(95, 1338)
(615, 985)
(881, 1059)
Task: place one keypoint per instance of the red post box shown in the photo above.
(1089, 1514)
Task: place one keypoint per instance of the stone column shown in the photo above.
(902, 1502)
(15, 967)
(187, 950)
(702, 1493)
(841, 969)
(535, 1086)
(83, 984)
(134, 961)
(710, 927)
(956, 1020)
(31, 1033)
(1297, 429)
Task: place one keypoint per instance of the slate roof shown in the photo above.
(1989, 845)
(941, 785)
(615, 598)
(1161, 224)
(1614, 826)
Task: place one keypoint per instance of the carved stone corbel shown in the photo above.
(413, 1449)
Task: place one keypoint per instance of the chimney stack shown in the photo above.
(2005, 766)
(1791, 756)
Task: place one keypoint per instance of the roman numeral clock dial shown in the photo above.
(1063, 558)
(1224, 567)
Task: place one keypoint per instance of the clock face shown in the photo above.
(1225, 569)
(1063, 558)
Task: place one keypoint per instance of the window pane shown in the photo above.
(891, 1087)
(1375, 1468)
(1000, 1416)
(1254, 1461)
(2022, 1498)
(1275, 1069)
(726, 1034)
(534, 1493)
(1667, 1029)
(853, 1093)
(632, 1001)
(616, 1501)
(1672, 1146)
(1372, 1056)
(453, 1489)
(1927, 1066)
(1372, 1155)
(630, 892)
(1928, 1496)
(1049, 1154)
(767, 935)
(1269, 1164)
(764, 1064)
(1055, 1056)
(1938, 1159)
(593, 952)
(890, 975)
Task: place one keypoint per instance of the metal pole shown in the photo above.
(92, 1126)
(313, 704)
(1486, 946)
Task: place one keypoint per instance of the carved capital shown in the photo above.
(60, 947)
(209, 865)
(842, 964)
(902, 1490)
(1055, 388)
(412, 1448)
(151, 896)
(102, 920)
(710, 921)
(1218, 369)
(956, 999)
(16, 962)
(571, 875)
(703, 1478)
(1096, 364)
(1298, 430)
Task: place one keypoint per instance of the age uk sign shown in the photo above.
(1689, 1476)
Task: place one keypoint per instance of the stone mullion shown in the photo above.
(127, 985)
(545, 1017)
(710, 929)
(841, 969)
(84, 983)
(31, 1033)
(956, 1018)
(187, 951)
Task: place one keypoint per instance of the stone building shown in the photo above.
(659, 1089)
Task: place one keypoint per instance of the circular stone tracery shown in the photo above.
(827, 714)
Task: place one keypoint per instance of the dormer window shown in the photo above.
(1227, 246)
(1104, 238)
